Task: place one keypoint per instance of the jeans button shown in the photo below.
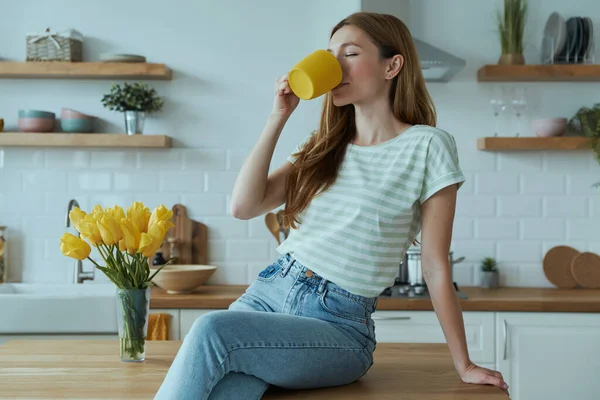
(308, 273)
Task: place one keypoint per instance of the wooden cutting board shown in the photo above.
(586, 270)
(557, 266)
(190, 238)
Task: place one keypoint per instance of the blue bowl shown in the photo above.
(77, 125)
(36, 114)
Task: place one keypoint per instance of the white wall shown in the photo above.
(225, 56)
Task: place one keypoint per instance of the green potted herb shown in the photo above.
(135, 101)
(511, 28)
(489, 273)
(587, 122)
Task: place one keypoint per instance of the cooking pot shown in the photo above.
(411, 273)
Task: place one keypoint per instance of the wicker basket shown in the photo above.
(55, 46)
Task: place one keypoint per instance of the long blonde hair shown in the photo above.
(318, 162)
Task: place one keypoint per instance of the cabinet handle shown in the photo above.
(390, 318)
(505, 329)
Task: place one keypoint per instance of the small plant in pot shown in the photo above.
(489, 273)
(511, 28)
(134, 101)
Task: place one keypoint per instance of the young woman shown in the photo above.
(357, 192)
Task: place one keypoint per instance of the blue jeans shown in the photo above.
(291, 329)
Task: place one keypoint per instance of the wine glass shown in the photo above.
(498, 104)
(519, 105)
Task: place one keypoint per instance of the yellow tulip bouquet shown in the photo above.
(125, 242)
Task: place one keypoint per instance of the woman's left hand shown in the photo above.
(483, 376)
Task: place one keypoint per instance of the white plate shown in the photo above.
(556, 29)
(108, 57)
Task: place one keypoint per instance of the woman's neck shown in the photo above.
(375, 123)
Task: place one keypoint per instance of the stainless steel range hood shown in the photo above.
(436, 64)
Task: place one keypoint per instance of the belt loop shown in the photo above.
(322, 285)
(288, 261)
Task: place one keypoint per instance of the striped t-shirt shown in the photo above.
(356, 232)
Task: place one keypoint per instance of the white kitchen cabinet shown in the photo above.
(549, 356)
(424, 327)
(174, 323)
(187, 318)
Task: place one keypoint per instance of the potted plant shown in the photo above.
(511, 27)
(587, 122)
(489, 273)
(135, 101)
(125, 242)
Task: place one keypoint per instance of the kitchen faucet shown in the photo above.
(78, 275)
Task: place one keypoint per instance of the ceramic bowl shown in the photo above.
(67, 113)
(77, 125)
(35, 124)
(547, 127)
(36, 114)
(179, 278)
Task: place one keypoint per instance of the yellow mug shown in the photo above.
(315, 75)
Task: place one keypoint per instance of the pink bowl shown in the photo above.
(548, 127)
(36, 124)
(67, 113)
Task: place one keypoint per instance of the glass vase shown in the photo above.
(133, 307)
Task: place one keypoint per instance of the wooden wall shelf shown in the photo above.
(540, 73)
(532, 143)
(114, 140)
(84, 70)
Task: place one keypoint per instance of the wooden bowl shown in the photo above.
(179, 278)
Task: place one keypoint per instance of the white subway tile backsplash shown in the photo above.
(529, 161)
(67, 159)
(561, 161)
(90, 181)
(463, 228)
(581, 184)
(18, 158)
(236, 158)
(204, 160)
(23, 203)
(44, 181)
(468, 187)
(220, 182)
(478, 161)
(519, 251)
(547, 184)
(226, 227)
(544, 229)
(595, 206)
(109, 200)
(497, 183)
(566, 206)
(463, 274)
(153, 200)
(38, 226)
(159, 159)
(476, 206)
(229, 273)
(532, 275)
(136, 181)
(117, 160)
(520, 206)
(1, 158)
(473, 250)
(578, 245)
(247, 250)
(208, 205)
(583, 229)
(181, 181)
(257, 228)
(11, 181)
(497, 228)
(217, 249)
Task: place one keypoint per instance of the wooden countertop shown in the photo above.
(502, 299)
(81, 369)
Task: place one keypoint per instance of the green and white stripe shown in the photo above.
(356, 233)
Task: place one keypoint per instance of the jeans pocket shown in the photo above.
(343, 307)
(269, 273)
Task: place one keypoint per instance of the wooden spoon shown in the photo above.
(273, 225)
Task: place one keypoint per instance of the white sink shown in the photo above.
(69, 308)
